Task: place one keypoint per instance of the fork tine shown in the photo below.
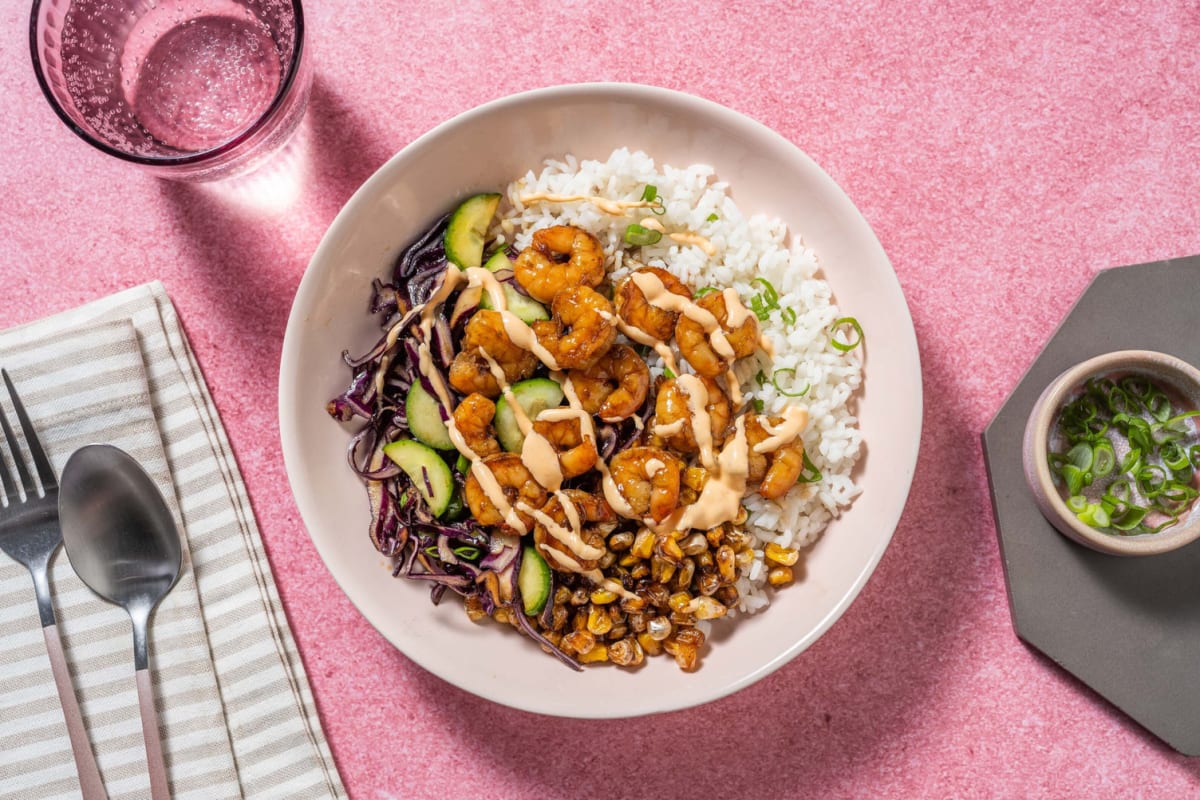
(10, 489)
(45, 471)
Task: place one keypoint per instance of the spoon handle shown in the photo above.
(90, 783)
(159, 789)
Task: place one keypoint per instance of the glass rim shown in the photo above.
(201, 157)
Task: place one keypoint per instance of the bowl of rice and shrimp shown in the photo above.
(660, 181)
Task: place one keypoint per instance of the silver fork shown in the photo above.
(30, 534)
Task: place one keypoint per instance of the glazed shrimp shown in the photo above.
(473, 418)
(776, 472)
(615, 387)
(516, 483)
(595, 519)
(559, 257)
(634, 309)
(580, 329)
(674, 422)
(648, 479)
(576, 455)
(696, 345)
(470, 371)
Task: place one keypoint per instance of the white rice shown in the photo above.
(746, 248)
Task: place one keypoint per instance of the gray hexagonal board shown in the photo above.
(1127, 627)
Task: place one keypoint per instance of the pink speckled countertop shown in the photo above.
(1003, 153)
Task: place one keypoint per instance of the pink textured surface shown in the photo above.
(1003, 154)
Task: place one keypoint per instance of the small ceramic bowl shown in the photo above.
(1166, 371)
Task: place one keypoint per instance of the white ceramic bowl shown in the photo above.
(483, 150)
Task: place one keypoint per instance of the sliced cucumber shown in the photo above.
(425, 418)
(533, 395)
(468, 227)
(428, 472)
(533, 580)
(526, 308)
(497, 261)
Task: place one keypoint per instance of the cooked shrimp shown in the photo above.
(648, 479)
(559, 257)
(517, 485)
(776, 472)
(595, 518)
(634, 309)
(473, 419)
(576, 455)
(580, 329)
(673, 413)
(470, 372)
(696, 345)
(615, 387)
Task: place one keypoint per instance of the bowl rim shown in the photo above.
(1037, 466)
(906, 344)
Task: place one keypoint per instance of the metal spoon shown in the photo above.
(123, 543)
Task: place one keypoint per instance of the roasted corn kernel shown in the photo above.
(579, 642)
(781, 576)
(650, 645)
(643, 543)
(620, 542)
(598, 622)
(597, 653)
(783, 556)
(659, 628)
(727, 563)
(603, 597)
(626, 653)
(707, 608)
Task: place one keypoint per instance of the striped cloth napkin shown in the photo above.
(235, 711)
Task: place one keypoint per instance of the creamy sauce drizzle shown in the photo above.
(721, 498)
(795, 418)
(614, 208)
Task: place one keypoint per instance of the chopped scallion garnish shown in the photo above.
(788, 315)
(850, 345)
(704, 290)
(713, 217)
(775, 382)
(640, 236)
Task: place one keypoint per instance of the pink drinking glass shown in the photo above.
(186, 89)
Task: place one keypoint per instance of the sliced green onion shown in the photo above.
(1094, 515)
(809, 473)
(775, 382)
(1076, 503)
(1132, 461)
(1081, 455)
(640, 236)
(705, 290)
(764, 303)
(1104, 458)
(788, 315)
(668, 372)
(758, 405)
(760, 378)
(1175, 457)
(1074, 478)
(469, 552)
(650, 195)
(1130, 519)
(713, 217)
(846, 346)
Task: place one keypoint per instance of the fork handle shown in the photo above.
(85, 761)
